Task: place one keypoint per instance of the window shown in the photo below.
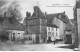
(29, 38)
(49, 28)
(13, 33)
(56, 29)
(53, 34)
(52, 29)
(18, 33)
(25, 38)
(49, 33)
(56, 34)
(13, 37)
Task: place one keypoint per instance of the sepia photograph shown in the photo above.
(39, 25)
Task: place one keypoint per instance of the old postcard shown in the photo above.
(39, 25)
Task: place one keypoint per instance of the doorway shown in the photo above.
(13, 37)
(68, 39)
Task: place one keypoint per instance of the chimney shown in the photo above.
(4, 14)
(63, 13)
(36, 11)
(28, 14)
(45, 14)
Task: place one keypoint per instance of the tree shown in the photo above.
(2, 2)
(2, 8)
(14, 10)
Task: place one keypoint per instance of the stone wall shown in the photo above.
(78, 22)
(37, 26)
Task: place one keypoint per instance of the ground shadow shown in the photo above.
(67, 47)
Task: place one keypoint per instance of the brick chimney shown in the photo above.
(64, 12)
(28, 14)
(45, 14)
(4, 14)
(37, 12)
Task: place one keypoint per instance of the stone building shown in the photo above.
(58, 23)
(36, 24)
(77, 24)
(14, 29)
(42, 26)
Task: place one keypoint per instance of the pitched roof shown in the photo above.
(52, 15)
(37, 12)
(50, 18)
(12, 26)
(63, 18)
(70, 25)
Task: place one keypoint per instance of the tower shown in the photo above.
(37, 25)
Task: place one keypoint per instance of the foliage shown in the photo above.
(2, 2)
(2, 8)
(12, 12)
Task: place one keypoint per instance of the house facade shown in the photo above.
(53, 33)
(16, 32)
(56, 22)
(15, 35)
(14, 29)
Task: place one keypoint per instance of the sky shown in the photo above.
(48, 6)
